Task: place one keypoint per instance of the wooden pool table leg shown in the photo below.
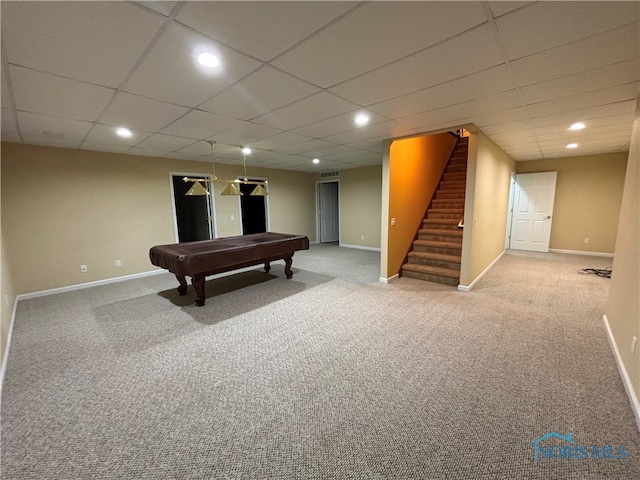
(198, 284)
(182, 289)
(287, 266)
(267, 266)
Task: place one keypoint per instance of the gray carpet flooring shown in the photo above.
(329, 375)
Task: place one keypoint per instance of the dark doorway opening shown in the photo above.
(254, 210)
(193, 213)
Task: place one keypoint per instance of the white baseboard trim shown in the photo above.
(359, 247)
(5, 357)
(80, 286)
(467, 288)
(635, 405)
(580, 252)
(390, 279)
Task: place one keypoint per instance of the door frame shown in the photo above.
(213, 225)
(317, 195)
(266, 203)
(512, 193)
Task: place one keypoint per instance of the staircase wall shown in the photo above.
(415, 168)
(488, 188)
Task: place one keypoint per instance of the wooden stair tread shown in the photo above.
(441, 257)
(438, 244)
(443, 272)
(445, 210)
(434, 231)
(440, 221)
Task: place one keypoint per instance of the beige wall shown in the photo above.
(360, 206)
(414, 171)
(489, 172)
(63, 208)
(623, 307)
(8, 298)
(587, 201)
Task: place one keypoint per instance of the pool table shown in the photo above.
(208, 257)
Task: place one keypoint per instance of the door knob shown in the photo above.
(547, 217)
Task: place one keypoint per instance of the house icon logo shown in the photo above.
(555, 446)
(537, 447)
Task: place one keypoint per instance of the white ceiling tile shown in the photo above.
(594, 52)
(106, 134)
(199, 125)
(481, 84)
(501, 117)
(264, 90)
(164, 7)
(141, 113)
(597, 98)
(585, 115)
(544, 26)
(465, 111)
(467, 53)
(52, 95)
(261, 29)
(278, 141)
(165, 143)
(9, 124)
(61, 128)
(186, 82)
(6, 95)
(311, 147)
(374, 146)
(499, 8)
(387, 129)
(359, 42)
(506, 127)
(612, 121)
(309, 110)
(339, 124)
(609, 76)
(97, 42)
(245, 133)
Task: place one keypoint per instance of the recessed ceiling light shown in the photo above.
(208, 60)
(577, 126)
(246, 150)
(124, 132)
(572, 145)
(362, 119)
(316, 160)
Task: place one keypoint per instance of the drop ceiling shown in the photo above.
(293, 76)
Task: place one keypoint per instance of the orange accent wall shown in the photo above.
(415, 168)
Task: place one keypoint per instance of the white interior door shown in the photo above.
(328, 212)
(533, 211)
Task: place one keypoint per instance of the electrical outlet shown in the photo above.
(118, 263)
(633, 344)
(233, 217)
(586, 240)
(393, 221)
(361, 237)
(83, 268)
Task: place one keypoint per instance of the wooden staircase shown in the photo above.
(436, 252)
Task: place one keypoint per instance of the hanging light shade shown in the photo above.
(197, 190)
(231, 189)
(259, 191)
